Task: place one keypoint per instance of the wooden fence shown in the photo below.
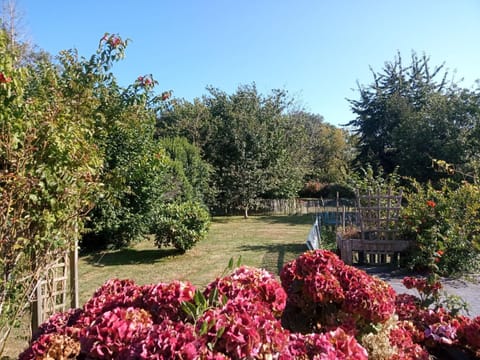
(301, 206)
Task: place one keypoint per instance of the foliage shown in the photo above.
(252, 147)
(330, 294)
(191, 120)
(410, 115)
(49, 167)
(124, 320)
(274, 148)
(249, 315)
(444, 224)
(181, 225)
(138, 175)
(191, 167)
(329, 148)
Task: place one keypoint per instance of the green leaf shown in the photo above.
(204, 328)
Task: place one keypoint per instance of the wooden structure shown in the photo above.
(57, 289)
(375, 241)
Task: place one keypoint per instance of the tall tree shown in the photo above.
(251, 150)
(410, 115)
(328, 148)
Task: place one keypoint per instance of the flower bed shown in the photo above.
(323, 309)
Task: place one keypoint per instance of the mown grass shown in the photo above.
(267, 242)
(264, 241)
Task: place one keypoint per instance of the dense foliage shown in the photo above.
(189, 166)
(412, 114)
(180, 225)
(259, 146)
(71, 140)
(444, 224)
(49, 166)
(323, 309)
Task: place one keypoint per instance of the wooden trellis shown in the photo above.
(377, 216)
(57, 289)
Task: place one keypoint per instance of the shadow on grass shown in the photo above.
(130, 257)
(276, 256)
(289, 219)
(269, 219)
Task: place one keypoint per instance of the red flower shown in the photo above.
(431, 203)
(4, 79)
(165, 95)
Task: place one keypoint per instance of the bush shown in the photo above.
(181, 225)
(124, 320)
(243, 316)
(445, 225)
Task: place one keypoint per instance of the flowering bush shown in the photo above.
(445, 226)
(239, 320)
(251, 284)
(333, 294)
(348, 315)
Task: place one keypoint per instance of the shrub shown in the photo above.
(331, 294)
(445, 227)
(122, 320)
(181, 225)
(351, 316)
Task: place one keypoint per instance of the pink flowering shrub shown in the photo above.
(251, 284)
(332, 345)
(333, 294)
(164, 301)
(239, 320)
(242, 329)
(469, 334)
(344, 314)
(435, 327)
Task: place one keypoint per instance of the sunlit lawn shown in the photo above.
(266, 241)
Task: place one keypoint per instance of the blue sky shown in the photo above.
(315, 49)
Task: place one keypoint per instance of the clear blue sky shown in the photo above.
(315, 49)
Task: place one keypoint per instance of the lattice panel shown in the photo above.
(52, 291)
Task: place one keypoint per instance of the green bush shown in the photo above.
(445, 225)
(181, 225)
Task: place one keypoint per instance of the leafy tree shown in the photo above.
(251, 150)
(410, 115)
(137, 173)
(49, 167)
(192, 171)
(328, 149)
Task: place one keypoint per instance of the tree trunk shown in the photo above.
(245, 213)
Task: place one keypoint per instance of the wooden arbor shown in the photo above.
(375, 240)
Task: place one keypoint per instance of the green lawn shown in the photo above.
(264, 241)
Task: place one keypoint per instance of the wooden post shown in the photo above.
(37, 308)
(73, 261)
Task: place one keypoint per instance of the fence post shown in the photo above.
(73, 261)
(36, 308)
